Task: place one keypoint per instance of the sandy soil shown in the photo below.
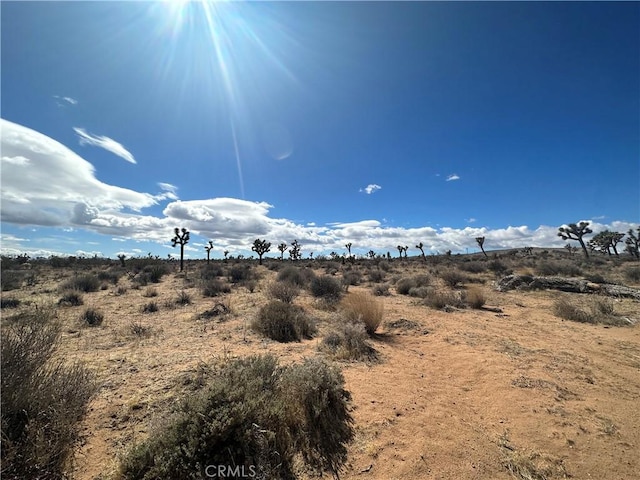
(465, 394)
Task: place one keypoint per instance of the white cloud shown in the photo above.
(52, 186)
(471, 220)
(168, 191)
(452, 177)
(107, 143)
(369, 189)
(49, 185)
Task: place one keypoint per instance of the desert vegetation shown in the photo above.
(297, 367)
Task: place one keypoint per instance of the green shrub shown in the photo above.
(349, 342)
(150, 307)
(183, 298)
(297, 276)
(42, 399)
(284, 291)
(240, 273)
(10, 280)
(376, 276)
(92, 317)
(9, 303)
(405, 284)
(84, 283)
(381, 290)
(326, 287)
(351, 278)
(154, 273)
(473, 267)
(550, 268)
(283, 322)
(72, 298)
(443, 299)
(452, 278)
(213, 287)
(256, 415)
(632, 274)
(362, 307)
(111, 276)
(209, 272)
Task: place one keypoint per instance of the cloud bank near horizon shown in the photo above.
(45, 184)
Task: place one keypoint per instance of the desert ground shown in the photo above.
(507, 390)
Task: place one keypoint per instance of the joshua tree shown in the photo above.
(576, 232)
(225, 253)
(420, 247)
(181, 239)
(208, 249)
(371, 254)
(633, 242)
(294, 251)
(400, 250)
(261, 247)
(605, 241)
(348, 247)
(571, 249)
(121, 257)
(282, 247)
(480, 241)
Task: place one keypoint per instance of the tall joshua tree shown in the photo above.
(282, 247)
(400, 250)
(181, 238)
(420, 247)
(348, 247)
(480, 241)
(633, 242)
(208, 248)
(576, 232)
(261, 247)
(294, 251)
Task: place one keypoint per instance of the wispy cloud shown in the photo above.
(369, 189)
(471, 220)
(68, 100)
(169, 191)
(107, 143)
(452, 177)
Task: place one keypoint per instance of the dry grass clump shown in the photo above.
(601, 310)
(284, 291)
(283, 322)
(475, 298)
(632, 274)
(364, 308)
(381, 290)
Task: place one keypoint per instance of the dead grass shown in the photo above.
(363, 307)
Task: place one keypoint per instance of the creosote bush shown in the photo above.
(632, 274)
(9, 303)
(600, 310)
(72, 298)
(283, 322)
(405, 284)
(84, 283)
(295, 275)
(326, 287)
(349, 342)
(42, 399)
(92, 317)
(213, 287)
(452, 278)
(254, 414)
(362, 307)
(381, 290)
(284, 291)
(440, 300)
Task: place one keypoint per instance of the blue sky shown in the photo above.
(375, 123)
